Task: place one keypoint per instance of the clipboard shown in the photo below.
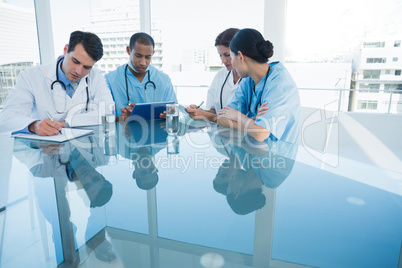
(148, 111)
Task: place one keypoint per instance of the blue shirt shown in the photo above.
(283, 116)
(116, 81)
(63, 78)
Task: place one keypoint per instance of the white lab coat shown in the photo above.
(214, 91)
(31, 97)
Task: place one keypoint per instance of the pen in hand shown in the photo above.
(200, 104)
(51, 118)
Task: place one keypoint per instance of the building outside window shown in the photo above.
(18, 28)
(371, 74)
(367, 105)
(376, 60)
(397, 87)
(372, 88)
(373, 44)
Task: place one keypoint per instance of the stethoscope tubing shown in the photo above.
(64, 87)
(145, 86)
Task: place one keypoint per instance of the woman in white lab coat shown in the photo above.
(40, 105)
(225, 82)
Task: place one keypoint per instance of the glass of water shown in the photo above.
(173, 144)
(172, 118)
(108, 120)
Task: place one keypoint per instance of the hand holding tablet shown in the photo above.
(148, 111)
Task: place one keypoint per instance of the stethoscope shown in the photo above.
(64, 87)
(227, 76)
(145, 86)
(259, 99)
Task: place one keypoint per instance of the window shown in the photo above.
(17, 19)
(397, 43)
(376, 60)
(397, 72)
(373, 44)
(113, 21)
(371, 74)
(188, 38)
(397, 87)
(372, 88)
(395, 59)
(367, 104)
(62, 30)
(387, 71)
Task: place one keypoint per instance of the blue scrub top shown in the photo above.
(283, 116)
(117, 85)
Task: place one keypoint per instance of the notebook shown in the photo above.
(66, 134)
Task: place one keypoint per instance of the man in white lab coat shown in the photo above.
(69, 92)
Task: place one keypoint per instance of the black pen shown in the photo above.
(200, 104)
(51, 118)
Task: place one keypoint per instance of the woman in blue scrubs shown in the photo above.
(267, 104)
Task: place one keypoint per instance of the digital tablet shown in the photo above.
(148, 111)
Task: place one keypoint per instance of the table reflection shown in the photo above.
(124, 199)
(81, 168)
(56, 165)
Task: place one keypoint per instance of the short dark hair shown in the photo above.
(90, 41)
(224, 38)
(252, 44)
(141, 38)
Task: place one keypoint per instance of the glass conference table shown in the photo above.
(206, 197)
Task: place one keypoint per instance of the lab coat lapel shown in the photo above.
(58, 94)
(81, 92)
(51, 72)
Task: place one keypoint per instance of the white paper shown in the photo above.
(66, 134)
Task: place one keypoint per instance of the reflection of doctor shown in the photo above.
(276, 165)
(64, 162)
(145, 172)
(240, 184)
(241, 177)
(68, 162)
(141, 154)
(70, 91)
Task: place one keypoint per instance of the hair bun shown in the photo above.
(265, 48)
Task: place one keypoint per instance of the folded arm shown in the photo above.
(232, 118)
